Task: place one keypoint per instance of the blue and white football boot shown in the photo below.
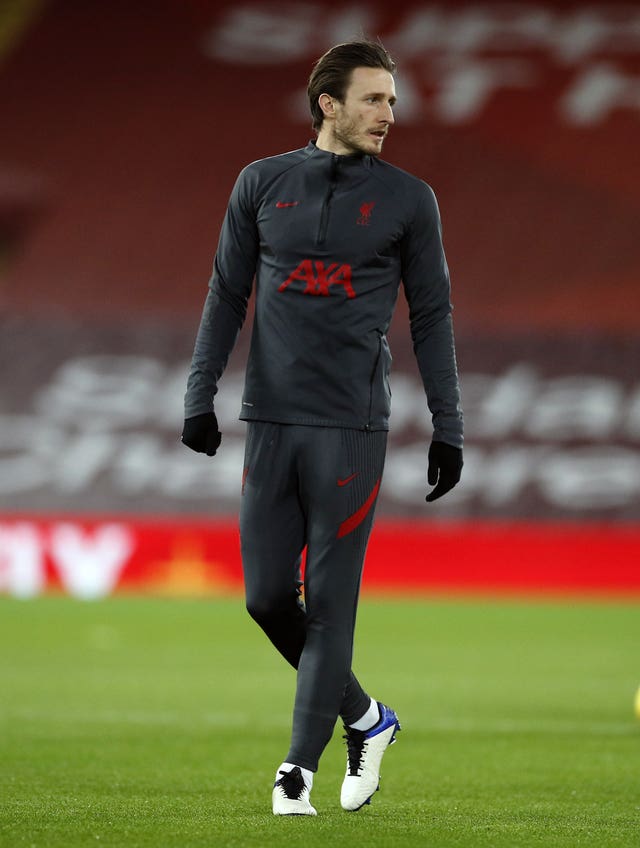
(365, 749)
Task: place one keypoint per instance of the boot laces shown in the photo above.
(355, 740)
(292, 783)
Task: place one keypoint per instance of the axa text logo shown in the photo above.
(318, 279)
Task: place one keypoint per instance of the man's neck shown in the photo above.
(327, 141)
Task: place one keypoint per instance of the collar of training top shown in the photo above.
(354, 160)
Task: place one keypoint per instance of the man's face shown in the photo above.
(363, 120)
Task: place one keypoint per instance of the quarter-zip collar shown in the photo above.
(332, 166)
(353, 160)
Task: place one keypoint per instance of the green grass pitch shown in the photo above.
(151, 722)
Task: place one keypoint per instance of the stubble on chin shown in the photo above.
(350, 141)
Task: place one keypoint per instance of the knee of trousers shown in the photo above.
(264, 607)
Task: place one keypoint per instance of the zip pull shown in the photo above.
(333, 177)
(335, 161)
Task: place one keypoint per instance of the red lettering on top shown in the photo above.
(342, 277)
(319, 279)
(324, 277)
(304, 271)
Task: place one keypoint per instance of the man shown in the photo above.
(328, 231)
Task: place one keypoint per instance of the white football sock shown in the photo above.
(371, 717)
(306, 773)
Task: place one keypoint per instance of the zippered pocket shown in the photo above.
(380, 375)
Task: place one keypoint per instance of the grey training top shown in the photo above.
(328, 239)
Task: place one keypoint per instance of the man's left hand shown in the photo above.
(445, 468)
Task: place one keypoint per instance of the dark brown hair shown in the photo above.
(332, 72)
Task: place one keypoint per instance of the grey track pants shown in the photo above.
(315, 487)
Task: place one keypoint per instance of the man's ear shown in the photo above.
(327, 104)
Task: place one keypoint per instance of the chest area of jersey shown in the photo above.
(346, 220)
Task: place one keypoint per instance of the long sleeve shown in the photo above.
(225, 307)
(426, 281)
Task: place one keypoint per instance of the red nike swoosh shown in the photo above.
(359, 515)
(281, 205)
(347, 479)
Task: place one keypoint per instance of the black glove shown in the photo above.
(445, 468)
(201, 433)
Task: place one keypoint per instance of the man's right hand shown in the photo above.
(201, 433)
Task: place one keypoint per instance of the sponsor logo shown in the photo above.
(347, 479)
(318, 279)
(281, 205)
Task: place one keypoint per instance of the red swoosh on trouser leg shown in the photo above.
(347, 479)
(359, 516)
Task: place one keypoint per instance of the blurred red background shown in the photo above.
(123, 128)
